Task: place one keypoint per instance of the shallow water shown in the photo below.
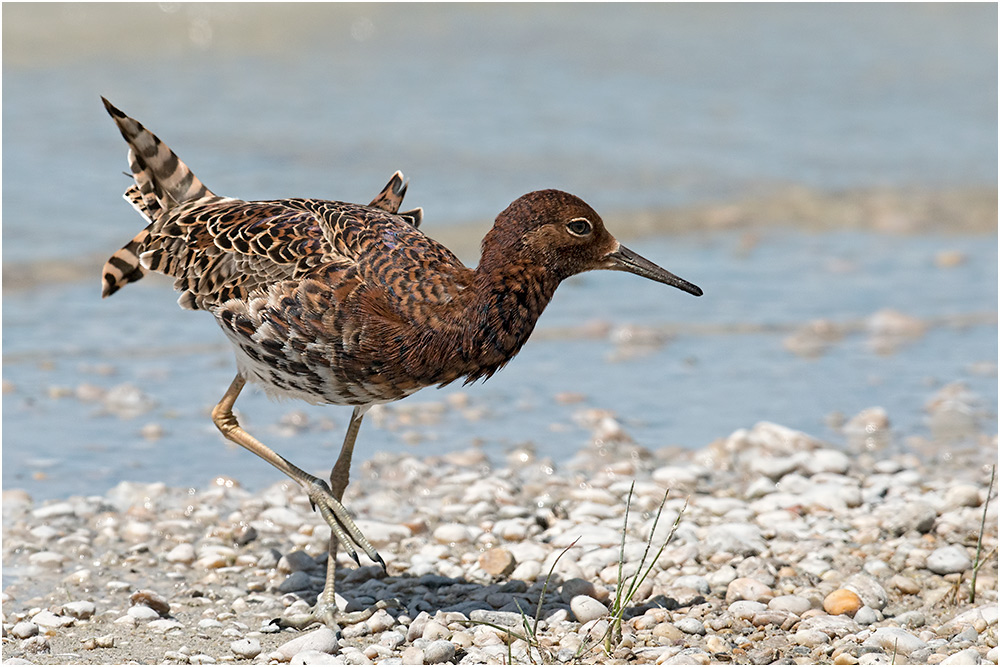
(719, 364)
(633, 107)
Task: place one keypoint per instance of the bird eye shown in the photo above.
(579, 226)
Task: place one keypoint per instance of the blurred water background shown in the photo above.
(827, 173)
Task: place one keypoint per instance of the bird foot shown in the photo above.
(328, 614)
(343, 527)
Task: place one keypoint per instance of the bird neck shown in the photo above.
(509, 294)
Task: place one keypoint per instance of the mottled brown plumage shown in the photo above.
(348, 304)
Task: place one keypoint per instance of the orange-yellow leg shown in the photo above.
(343, 531)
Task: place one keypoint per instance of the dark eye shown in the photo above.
(579, 226)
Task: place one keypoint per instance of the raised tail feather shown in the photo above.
(391, 197)
(162, 182)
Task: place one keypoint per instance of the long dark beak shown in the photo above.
(624, 259)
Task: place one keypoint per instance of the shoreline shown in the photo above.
(784, 550)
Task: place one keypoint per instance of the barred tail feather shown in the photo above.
(162, 179)
(124, 266)
(162, 182)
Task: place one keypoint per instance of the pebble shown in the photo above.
(24, 629)
(453, 533)
(151, 599)
(691, 626)
(498, 562)
(586, 608)
(951, 559)
(735, 538)
(438, 651)
(842, 601)
(47, 619)
(746, 588)
(771, 523)
(866, 616)
(793, 604)
(895, 639)
(323, 640)
(246, 649)
(969, 656)
(869, 590)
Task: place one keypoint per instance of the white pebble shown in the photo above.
(245, 648)
(586, 608)
(792, 604)
(182, 553)
(691, 626)
(24, 629)
(323, 640)
(951, 559)
(49, 560)
(47, 619)
(895, 639)
(439, 651)
(453, 533)
(969, 656)
(747, 588)
(80, 609)
(141, 612)
(746, 608)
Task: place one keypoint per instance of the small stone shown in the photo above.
(434, 631)
(452, 533)
(296, 581)
(747, 588)
(323, 640)
(182, 553)
(865, 616)
(586, 608)
(24, 629)
(904, 584)
(142, 613)
(201, 659)
(528, 570)
(969, 656)
(50, 560)
(439, 651)
(498, 562)
(742, 539)
(668, 631)
(577, 586)
(151, 599)
(164, 625)
(380, 621)
(81, 609)
(746, 609)
(809, 638)
(917, 515)
(105, 641)
(505, 619)
(895, 639)
(691, 626)
(47, 619)
(869, 590)
(246, 649)
(951, 559)
(413, 656)
(842, 601)
(791, 604)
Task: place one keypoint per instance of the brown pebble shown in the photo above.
(842, 601)
(105, 641)
(153, 600)
(668, 631)
(498, 562)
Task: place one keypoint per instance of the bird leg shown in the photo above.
(343, 531)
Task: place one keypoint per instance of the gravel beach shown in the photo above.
(784, 550)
